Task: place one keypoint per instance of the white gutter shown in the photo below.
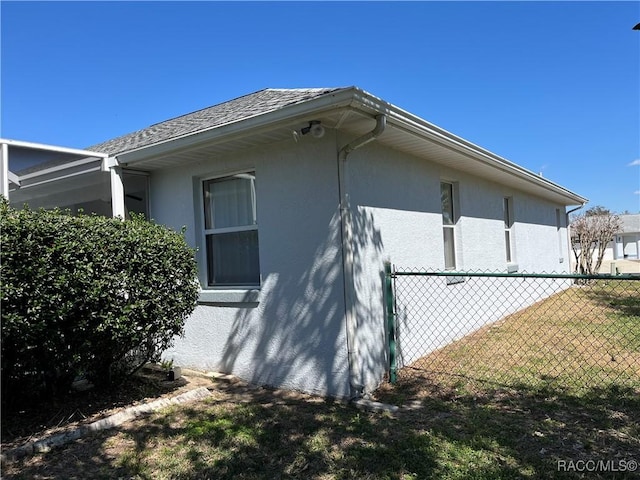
(491, 159)
(364, 102)
(346, 227)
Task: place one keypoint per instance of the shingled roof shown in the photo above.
(247, 106)
(188, 137)
(630, 223)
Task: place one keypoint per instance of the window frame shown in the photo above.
(450, 228)
(207, 283)
(559, 227)
(508, 221)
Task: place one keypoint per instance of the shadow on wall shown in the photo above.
(369, 282)
(296, 338)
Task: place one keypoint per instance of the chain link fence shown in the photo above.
(514, 329)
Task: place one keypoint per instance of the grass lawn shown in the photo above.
(580, 338)
(460, 425)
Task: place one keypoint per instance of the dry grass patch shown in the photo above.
(583, 336)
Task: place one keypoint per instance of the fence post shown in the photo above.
(391, 320)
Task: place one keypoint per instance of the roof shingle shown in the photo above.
(247, 106)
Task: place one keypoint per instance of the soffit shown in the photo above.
(355, 122)
(461, 160)
(224, 144)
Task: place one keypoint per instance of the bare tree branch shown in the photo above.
(591, 233)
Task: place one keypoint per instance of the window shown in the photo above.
(231, 231)
(559, 233)
(508, 224)
(448, 225)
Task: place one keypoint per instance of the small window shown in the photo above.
(448, 225)
(559, 233)
(508, 226)
(231, 231)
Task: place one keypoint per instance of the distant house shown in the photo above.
(295, 198)
(626, 243)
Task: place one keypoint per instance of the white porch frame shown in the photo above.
(108, 164)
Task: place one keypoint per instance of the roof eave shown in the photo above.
(402, 119)
(358, 99)
(331, 101)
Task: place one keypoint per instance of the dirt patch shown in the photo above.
(101, 454)
(80, 408)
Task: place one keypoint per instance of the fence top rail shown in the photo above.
(405, 273)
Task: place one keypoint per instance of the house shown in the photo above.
(295, 198)
(626, 243)
(621, 251)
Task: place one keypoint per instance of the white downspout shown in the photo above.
(346, 227)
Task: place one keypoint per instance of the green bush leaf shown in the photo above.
(87, 295)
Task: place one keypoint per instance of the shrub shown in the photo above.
(87, 295)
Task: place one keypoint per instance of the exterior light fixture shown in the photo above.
(315, 128)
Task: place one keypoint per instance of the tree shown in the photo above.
(591, 232)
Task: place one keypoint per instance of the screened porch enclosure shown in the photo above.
(88, 193)
(47, 176)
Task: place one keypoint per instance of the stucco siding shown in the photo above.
(537, 238)
(395, 200)
(293, 336)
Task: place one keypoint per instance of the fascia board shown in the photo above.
(404, 120)
(493, 160)
(340, 99)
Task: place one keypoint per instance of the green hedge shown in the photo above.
(87, 295)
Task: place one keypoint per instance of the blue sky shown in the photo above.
(552, 86)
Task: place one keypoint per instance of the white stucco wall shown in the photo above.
(395, 199)
(293, 336)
